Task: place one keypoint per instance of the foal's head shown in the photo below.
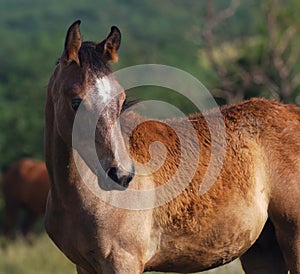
(83, 84)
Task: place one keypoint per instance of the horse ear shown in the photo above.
(110, 45)
(73, 43)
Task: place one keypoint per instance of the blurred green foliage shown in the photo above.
(165, 32)
(33, 34)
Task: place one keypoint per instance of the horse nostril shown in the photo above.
(112, 173)
(119, 177)
(126, 180)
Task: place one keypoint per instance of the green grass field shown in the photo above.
(42, 257)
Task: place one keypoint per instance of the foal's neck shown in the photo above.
(62, 170)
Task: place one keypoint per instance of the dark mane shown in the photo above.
(90, 58)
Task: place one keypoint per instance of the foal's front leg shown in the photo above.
(265, 256)
(123, 264)
(289, 240)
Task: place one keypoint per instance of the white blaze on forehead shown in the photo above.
(104, 89)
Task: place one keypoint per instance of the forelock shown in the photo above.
(92, 60)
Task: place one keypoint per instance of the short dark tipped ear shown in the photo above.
(73, 43)
(110, 45)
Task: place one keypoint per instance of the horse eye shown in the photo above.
(76, 103)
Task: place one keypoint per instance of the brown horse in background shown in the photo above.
(25, 185)
(251, 211)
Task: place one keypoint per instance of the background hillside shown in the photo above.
(32, 36)
(238, 49)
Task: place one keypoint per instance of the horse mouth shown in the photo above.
(108, 185)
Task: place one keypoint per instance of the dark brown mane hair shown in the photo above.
(90, 57)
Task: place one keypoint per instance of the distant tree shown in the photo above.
(282, 30)
(263, 63)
